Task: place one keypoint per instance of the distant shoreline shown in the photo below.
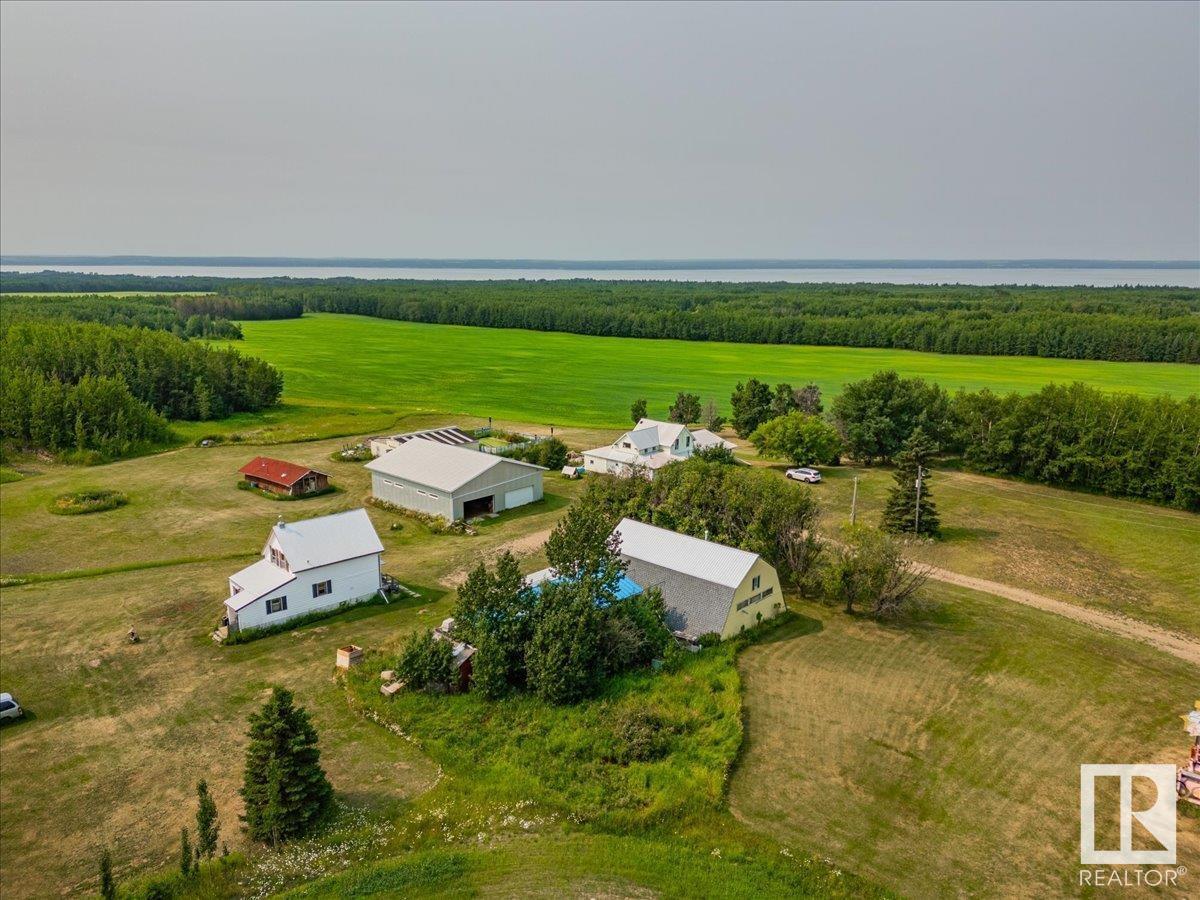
(616, 265)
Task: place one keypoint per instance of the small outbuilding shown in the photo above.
(708, 588)
(451, 482)
(280, 477)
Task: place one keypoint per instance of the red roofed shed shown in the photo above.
(282, 477)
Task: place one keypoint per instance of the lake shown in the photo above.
(1094, 277)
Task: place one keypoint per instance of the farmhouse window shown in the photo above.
(279, 559)
(276, 604)
(322, 588)
(755, 582)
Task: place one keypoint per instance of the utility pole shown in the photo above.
(917, 518)
(854, 501)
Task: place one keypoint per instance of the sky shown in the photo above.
(606, 131)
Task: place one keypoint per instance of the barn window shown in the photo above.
(276, 604)
(755, 582)
(322, 588)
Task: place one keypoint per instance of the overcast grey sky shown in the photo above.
(606, 131)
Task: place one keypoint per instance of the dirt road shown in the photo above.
(1168, 642)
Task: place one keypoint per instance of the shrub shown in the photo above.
(709, 639)
(869, 571)
(425, 664)
(641, 735)
(83, 502)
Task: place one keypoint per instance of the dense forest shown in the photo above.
(67, 385)
(1147, 324)
(185, 316)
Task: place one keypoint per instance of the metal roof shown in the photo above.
(692, 556)
(276, 471)
(452, 436)
(327, 539)
(667, 431)
(439, 466)
(703, 438)
(256, 580)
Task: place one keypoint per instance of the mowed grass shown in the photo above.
(133, 726)
(1134, 559)
(570, 379)
(943, 759)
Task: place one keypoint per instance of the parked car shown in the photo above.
(10, 708)
(812, 476)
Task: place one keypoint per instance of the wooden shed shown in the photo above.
(282, 477)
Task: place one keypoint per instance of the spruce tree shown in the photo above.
(185, 853)
(900, 513)
(637, 411)
(207, 826)
(284, 787)
(108, 884)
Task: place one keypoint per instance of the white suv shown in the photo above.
(9, 708)
(812, 476)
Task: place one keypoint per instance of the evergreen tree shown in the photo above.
(185, 853)
(284, 788)
(108, 884)
(900, 513)
(207, 825)
(638, 411)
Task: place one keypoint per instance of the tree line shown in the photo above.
(1122, 323)
(1148, 324)
(186, 317)
(1074, 436)
(86, 386)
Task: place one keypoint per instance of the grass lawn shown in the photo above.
(570, 379)
(943, 759)
(1136, 559)
(133, 726)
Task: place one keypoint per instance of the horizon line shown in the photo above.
(659, 263)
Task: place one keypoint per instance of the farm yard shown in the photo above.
(141, 720)
(568, 379)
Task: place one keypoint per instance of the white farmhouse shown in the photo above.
(648, 447)
(307, 566)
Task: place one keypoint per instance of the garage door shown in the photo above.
(519, 497)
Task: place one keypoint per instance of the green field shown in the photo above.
(568, 379)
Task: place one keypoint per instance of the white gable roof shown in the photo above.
(667, 431)
(649, 433)
(704, 439)
(256, 580)
(692, 556)
(327, 539)
(439, 466)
